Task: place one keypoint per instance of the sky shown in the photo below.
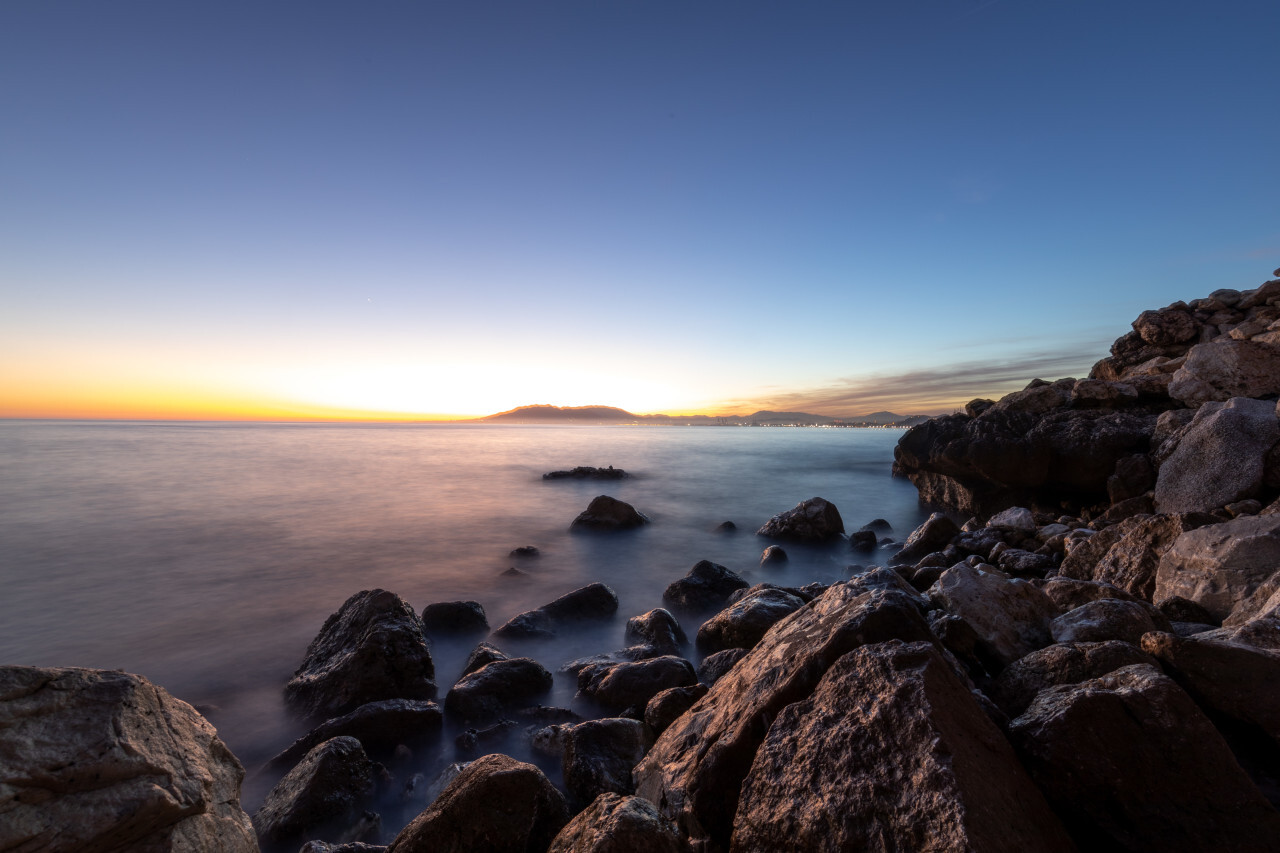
(298, 210)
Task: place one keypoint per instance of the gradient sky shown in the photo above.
(315, 209)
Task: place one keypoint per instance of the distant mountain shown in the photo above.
(548, 414)
(570, 414)
(767, 417)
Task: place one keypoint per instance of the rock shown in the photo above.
(744, 623)
(98, 760)
(773, 556)
(706, 586)
(1182, 610)
(349, 847)
(586, 472)
(1133, 558)
(591, 602)
(606, 513)
(495, 803)
(1010, 616)
(695, 770)
(657, 629)
(1016, 561)
(1166, 327)
(1134, 476)
(1219, 565)
(814, 520)
(726, 527)
(376, 725)
(598, 757)
(1100, 394)
(717, 665)
(549, 740)
(1069, 663)
(1016, 519)
(373, 648)
(934, 535)
(498, 686)
(454, 617)
(666, 707)
(617, 824)
(324, 793)
(1245, 507)
(1105, 619)
(626, 685)
(1221, 370)
(913, 764)
(862, 540)
(1129, 762)
(482, 655)
(525, 551)
(1069, 593)
(1219, 458)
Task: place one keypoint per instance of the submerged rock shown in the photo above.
(606, 513)
(324, 792)
(445, 618)
(707, 585)
(1067, 663)
(814, 520)
(586, 472)
(377, 725)
(498, 686)
(592, 602)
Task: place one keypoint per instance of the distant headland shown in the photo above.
(548, 414)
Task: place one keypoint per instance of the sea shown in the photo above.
(206, 556)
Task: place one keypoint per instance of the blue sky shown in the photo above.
(460, 208)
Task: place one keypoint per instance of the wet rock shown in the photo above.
(1219, 565)
(446, 618)
(373, 648)
(715, 666)
(773, 556)
(1016, 561)
(1220, 457)
(598, 757)
(525, 551)
(706, 586)
(744, 623)
(658, 629)
(98, 760)
(475, 740)
(814, 520)
(1069, 593)
(666, 707)
(376, 725)
(633, 684)
(1010, 616)
(495, 803)
(483, 655)
(498, 686)
(1221, 370)
(1069, 663)
(1105, 619)
(726, 527)
(549, 740)
(863, 540)
(606, 513)
(913, 764)
(618, 824)
(934, 535)
(586, 472)
(592, 602)
(324, 793)
(1129, 762)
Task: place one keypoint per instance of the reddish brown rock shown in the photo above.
(1010, 616)
(618, 824)
(1064, 663)
(1224, 369)
(1220, 565)
(742, 624)
(1132, 560)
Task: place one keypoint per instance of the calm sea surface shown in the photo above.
(207, 556)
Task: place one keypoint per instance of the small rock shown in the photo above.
(1011, 616)
(624, 685)
(1016, 518)
(743, 624)
(1069, 663)
(525, 551)
(773, 556)
(482, 655)
(717, 665)
(324, 792)
(498, 686)
(377, 725)
(726, 527)
(606, 513)
(666, 707)
(934, 535)
(658, 629)
(592, 602)
(454, 617)
(814, 520)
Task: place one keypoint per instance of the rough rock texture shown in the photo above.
(482, 655)
(591, 602)
(454, 617)
(1129, 762)
(714, 667)
(1069, 593)
(694, 771)
(657, 629)
(377, 725)
(617, 824)
(814, 520)
(742, 624)
(666, 707)
(934, 535)
(707, 585)
(498, 686)
(1069, 663)
(625, 685)
(1015, 518)
(1220, 565)
(1010, 616)
(92, 760)
(1221, 370)
(587, 472)
(495, 803)
(1131, 560)
(373, 648)
(1219, 459)
(913, 764)
(598, 757)
(775, 555)
(1105, 619)
(606, 513)
(323, 792)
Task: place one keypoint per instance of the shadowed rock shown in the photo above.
(591, 602)
(617, 824)
(742, 624)
(586, 472)
(1068, 663)
(324, 792)
(498, 686)
(1010, 616)
(666, 707)
(707, 585)
(715, 666)
(446, 618)
(1106, 619)
(598, 757)
(377, 725)
(934, 535)
(606, 513)
(814, 520)
(632, 684)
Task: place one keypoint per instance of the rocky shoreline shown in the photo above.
(1091, 662)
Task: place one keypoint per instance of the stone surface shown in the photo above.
(617, 824)
(373, 648)
(1070, 663)
(774, 555)
(666, 707)
(714, 667)
(454, 617)
(92, 760)
(587, 472)
(482, 655)
(594, 601)
(324, 793)
(1132, 560)
(1129, 762)
(814, 520)
(1014, 518)
(934, 535)
(707, 585)
(598, 757)
(620, 686)
(1010, 616)
(376, 725)
(658, 629)
(495, 803)
(1219, 565)
(742, 624)
(606, 513)
(1069, 593)
(1169, 326)
(1224, 369)
(497, 687)
(1219, 459)
(1105, 619)
(913, 764)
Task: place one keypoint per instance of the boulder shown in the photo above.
(934, 535)
(657, 629)
(1105, 619)
(1220, 370)
(1130, 763)
(592, 602)
(913, 764)
(666, 707)
(1068, 663)
(1010, 616)
(715, 666)
(587, 472)
(632, 684)
(1016, 519)
(373, 648)
(498, 686)
(348, 847)
(774, 555)
(525, 551)
(495, 803)
(1219, 565)
(618, 824)
(324, 794)
(696, 768)
(706, 586)
(1165, 327)
(742, 624)
(606, 513)
(861, 540)
(98, 760)
(1219, 459)
(598, 757)
(814, 520)
(445, 618)
(376, 725)
(1132, 559)
(482, 655)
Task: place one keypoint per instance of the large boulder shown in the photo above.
(97, 760)
(606, 513)
(598, 757)
(373, 648)
(495, 803)
(1219, 458)
(1130, 763)
(1128, 554)
(324, 793)
(618, 824)
(1065, 663)
(742, 624)
(1219, 565)
(934, 535)
(1102, 620)
(1221, 370)
(631, 684)
(913, 764)
(707, 585)
(814, 520)
(592, 602)
(497, 687)
(696, 768)
(377, 725)
(1010, 616)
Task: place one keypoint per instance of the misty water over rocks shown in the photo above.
(207, 556)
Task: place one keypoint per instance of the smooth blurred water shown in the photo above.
(206, 556)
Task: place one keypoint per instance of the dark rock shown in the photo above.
(658, 629)
(1069, 663)
(617, 824)
(726, 527)
(814, 520)
(497, 686)
(1132, 560)
(1105, 619)
(513, 572)
(707, 585)
(1016, 561)
(483, 655)
(744, 623)
(1181, 610)
(773, 556)
(598, 757)
(525, 551)
(586, 472)
(863, 540)
(376, 725)
(666, 707)
(606, 513)
(454, 617)
(1069, 593)
(1134, 476)
(624, 685)
(324, 792)
(913, 764)
(592, 602)
(1168, 326)
(373, 648)
(1015, 519)
(934, 535)
(717, 665)
(877, 525)
(495, 803)
(473, 740)
(1129, 762)
(348, 847)
(977, 406)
